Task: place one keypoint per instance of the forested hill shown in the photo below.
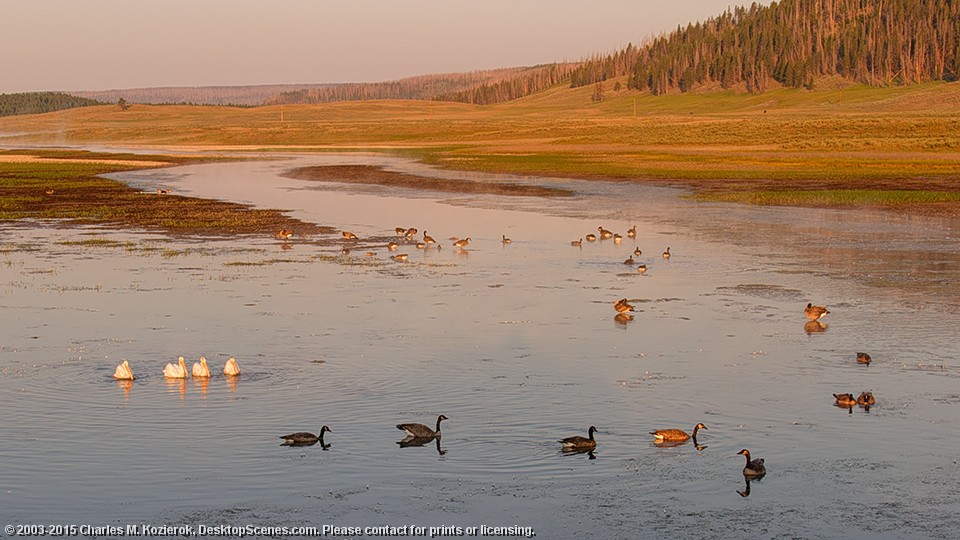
(794, 43)
(40, 102)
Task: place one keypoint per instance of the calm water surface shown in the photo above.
(517, 344)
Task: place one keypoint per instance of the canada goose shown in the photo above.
(814, 313)
(754, 467)
(174, 371)
(304, 438)
(427, 239)
(637, 252)
(632, 232)
(231, 367)
(666, 254)
(629, 261)
(284, 234)
(617, 239)
(845, 400)
(420, 430)
(591, 237)
(399, 257)
(200, 368)
(349, 235)
(604, 234)
(400, 231)
(622, 306)
(462, 243)
(642, 268)
(123, 372)
(863, 358)
(411, 232)
(505, 240)
(393, 246)
(675, 434)
(578, 442)
(866, 398)
(577, 243)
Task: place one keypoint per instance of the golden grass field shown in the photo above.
(895, 148)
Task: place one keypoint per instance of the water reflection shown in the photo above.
(411, 441)
(745, 492)
(814, 327)
(126, 386)
(623, 319)
(176, 385)
(569, 451)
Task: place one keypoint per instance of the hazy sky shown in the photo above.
(112, 44)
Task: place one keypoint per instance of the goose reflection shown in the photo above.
(745, 492)
(572, 451)
(411, 441)
(623, 319)
(814, 327)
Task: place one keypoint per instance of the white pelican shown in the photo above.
(123, 372)
(200, 368)
(231, 367)
(174, 371)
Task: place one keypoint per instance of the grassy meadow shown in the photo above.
(854, 145)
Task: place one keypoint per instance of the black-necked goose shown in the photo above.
(753, 467)
(578, 442)
(420, 430)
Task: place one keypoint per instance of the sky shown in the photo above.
(71, 45)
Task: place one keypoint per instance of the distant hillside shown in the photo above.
(478, 87)
(793, 43)
(198, 95)
(40, 102)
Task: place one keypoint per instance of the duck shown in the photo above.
(231, 367)
(578, 442)
(863, 358)
(617, 239)
(632, 232)
(629, 261)
(591, 237)
(866, 398)
(845, 400)
(622, 306)
(349, 235)
(422, 431)
(671, 435)
(577, 243)
(200, 368)
(815, 313)
(393, 246)
(462, 243)
(637, 252)
(505, 240)
(753, 467)
(174, 371)
(427, 239)
(304, 438)
(123, 372)
(666, 254)
(642, 268)
(399, 257)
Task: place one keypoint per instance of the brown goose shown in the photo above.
(411, 232)
(399, 257)
(814, 313)
(845, 400)
(629, 261)
(591, 237)
(642, 268)
(637, 252)
(577, 243)
(863, 358)
(617, 239)
(632, 232)
(675, 434)
(393, 246)
(349, 235)
(604, 234)
(505, 240)
(622, 306)
(420, 430)
(304, 438)
(666, 254)
(578, 442)
(427, 239)
(462, 243)
(866, 398)
(753, 467)
(400, 231)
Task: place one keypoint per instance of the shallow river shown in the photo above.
(517, 344)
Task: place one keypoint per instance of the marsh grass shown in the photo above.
(833, 197)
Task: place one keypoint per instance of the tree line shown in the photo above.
(794, 42)
(40, 102)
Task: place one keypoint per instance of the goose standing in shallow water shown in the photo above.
(642, 268)
(420, 430)
(200, 368)
(175, 371)
(675, 435)
(505, 240)
(399, 257)
(863, 358)
(305, 438)
(462, 243)
(123, 372)
(632, 232)
(866, 398)
(427, 239)
(622, 306)
(577, 243)
(578, 442)
(231, 367)
(845, 400)
(629, 261)
(604, 234)
(814, 313)
(591, 237)
(393, 246)
(637, 252)
(347, 235)
(666, 254)
(753, 467)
